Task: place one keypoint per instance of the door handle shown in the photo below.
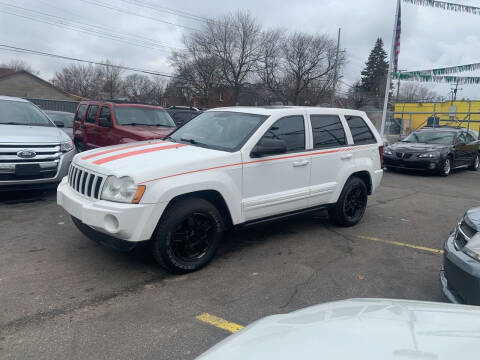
(346, 156)
(300, 163)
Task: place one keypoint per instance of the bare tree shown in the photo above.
(112, 78)
(157, 93)
(416, 92)
(82, 80)
(297, 68)
(308, 59)
(19, 65)
(138, 87)
(234, 40)
(196, 70)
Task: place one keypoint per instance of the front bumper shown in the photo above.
(130, 222)
(413, 163)
(460, 277)
(62, 170)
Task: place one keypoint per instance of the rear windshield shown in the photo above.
(66, 118)
(125, 115)
(22, 113)
(431, 137)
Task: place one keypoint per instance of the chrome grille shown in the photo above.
(463, 235)
(47, 156)
(85, 182)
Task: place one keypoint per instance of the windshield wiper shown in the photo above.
(191, 141)
(133, 124)
(12, 123)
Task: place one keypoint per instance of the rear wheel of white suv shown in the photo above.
(351, 204)
(188, 235)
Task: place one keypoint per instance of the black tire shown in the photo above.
(197, 226)
(475, 163)
(349, 211)
(446, 166)
(79, 146)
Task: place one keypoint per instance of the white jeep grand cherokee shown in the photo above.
(226, 167)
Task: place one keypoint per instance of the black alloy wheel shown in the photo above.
(355, 203)
(187, 235)
(192, 236)
(351, 204)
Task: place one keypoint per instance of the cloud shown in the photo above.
(430, 37)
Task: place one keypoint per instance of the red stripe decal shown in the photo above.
(137, 152)
(259, 161)
(119, 149)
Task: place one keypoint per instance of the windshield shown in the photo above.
(125, 115)
(22, 113)
(219, 130)
(431, 137)
(66, 118)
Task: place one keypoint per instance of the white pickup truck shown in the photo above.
(226, 167)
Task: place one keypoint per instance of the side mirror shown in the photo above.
(59, 123)
(461, 143)
(267, 147)
(105, 122)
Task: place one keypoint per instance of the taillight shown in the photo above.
(380, 152)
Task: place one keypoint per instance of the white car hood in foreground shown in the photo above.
(359, 329)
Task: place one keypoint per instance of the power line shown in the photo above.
(42, 53)
(96, 30)
(107, 6)
(159, 8)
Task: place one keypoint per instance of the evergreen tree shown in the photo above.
(374, 75)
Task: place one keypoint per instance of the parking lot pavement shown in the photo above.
(63, 296)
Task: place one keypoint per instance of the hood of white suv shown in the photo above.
(25, 134)
(145, 161)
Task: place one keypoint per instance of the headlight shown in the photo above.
(431, 154)
(472, 248)
(66, 146)
(387, 151)
(122, 190)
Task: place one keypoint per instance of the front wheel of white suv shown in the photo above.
(351, 204)
(188, 235)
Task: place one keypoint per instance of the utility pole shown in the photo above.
(454, 91)
(335, 74)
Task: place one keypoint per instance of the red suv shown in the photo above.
(103, 123)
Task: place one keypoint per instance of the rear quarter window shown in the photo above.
(361, 133)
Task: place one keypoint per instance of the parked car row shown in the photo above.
(227, 167)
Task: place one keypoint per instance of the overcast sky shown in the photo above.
(430, 37)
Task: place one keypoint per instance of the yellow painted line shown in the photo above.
(398, 243)
(219, 322)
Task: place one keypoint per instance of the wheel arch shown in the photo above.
(212, 196)
(365, 176)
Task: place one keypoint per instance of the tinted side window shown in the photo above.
(470, 138)
(92, 114)
(360, 131)
(105, 113)
(80, 112)
(292, 130)
(327, 131)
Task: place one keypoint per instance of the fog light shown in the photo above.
(433, 165)
(111, 223)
